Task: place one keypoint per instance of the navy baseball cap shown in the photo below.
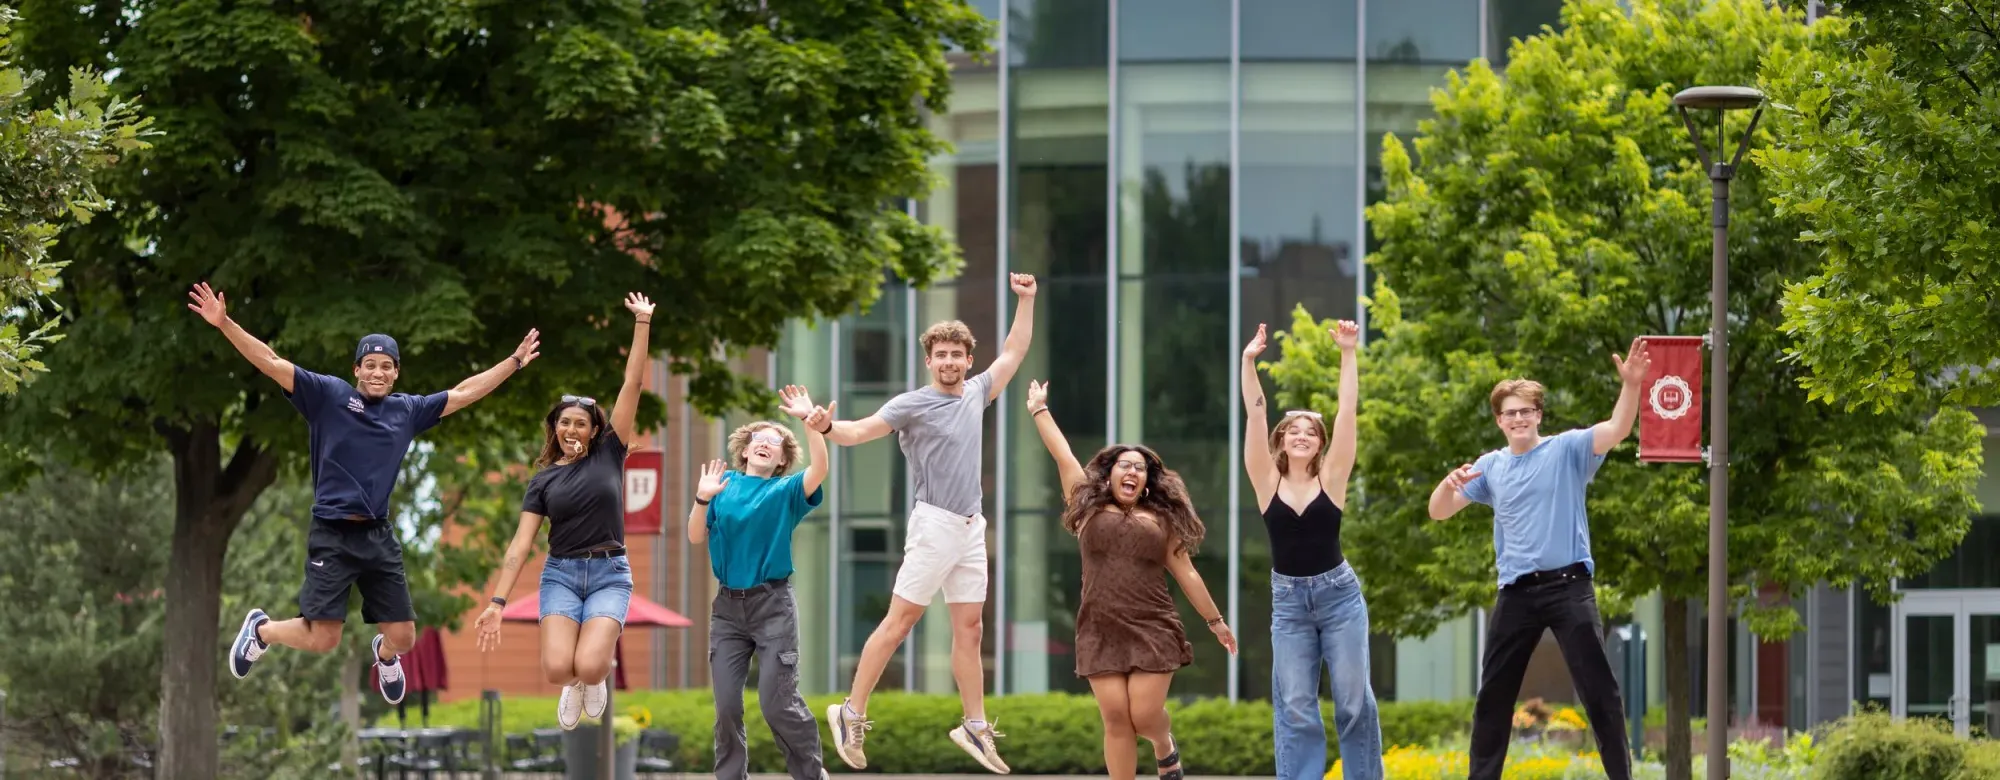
(377, 344)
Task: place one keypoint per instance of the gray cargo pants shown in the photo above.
(763, 620)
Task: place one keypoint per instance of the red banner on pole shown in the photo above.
(1670, 419)
(644, 478)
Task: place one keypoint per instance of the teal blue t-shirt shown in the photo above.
(750, 526)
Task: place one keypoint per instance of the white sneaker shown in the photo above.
(569, 708)
(979, 745)
(849, 732)
(594, 697)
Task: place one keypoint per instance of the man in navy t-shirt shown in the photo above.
(359, 435)
(1541, 545)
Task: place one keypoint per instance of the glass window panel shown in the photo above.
(1510, 19)
(1058, 33)
(1399, 97)
(1972, 565)
(1173, 30)
(1984, 708)
(1928, 683)
(805, 358)
(1173, 169)
(1872, 674)
(1440, 31)
(1297, 30)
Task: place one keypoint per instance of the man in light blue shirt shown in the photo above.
(1541, 546)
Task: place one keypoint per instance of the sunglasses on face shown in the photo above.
(580, 400)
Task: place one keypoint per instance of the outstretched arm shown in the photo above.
(479, 385)
(1339, 463)
(1632, 370)
(625, 411)
(214, 309)
(1019, 336)
(848, 433)
(1191, 583)
(1257, 426)
(1068, 470)
(799, 404)
(1449, 495)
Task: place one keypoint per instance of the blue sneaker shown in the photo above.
(247, 648)
(389, 673)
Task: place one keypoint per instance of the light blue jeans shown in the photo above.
(1315, 620)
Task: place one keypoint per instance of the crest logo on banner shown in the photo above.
(643, 478)
(1670, 420)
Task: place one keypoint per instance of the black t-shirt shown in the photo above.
(585, 500)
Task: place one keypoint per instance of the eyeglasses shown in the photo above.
(1312, 414)
(767, 437)
(580, 400)
(1521, 413)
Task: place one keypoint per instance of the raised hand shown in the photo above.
(208, 303)
(1256, 345)
(1038, 395)
(797, 402)
(489, 628)
(1461, 475)
(1632, 367)
(638, 305)
(712, 480)
(1225, 636)
(531, 346)
(1346, 335)
(1023, 284)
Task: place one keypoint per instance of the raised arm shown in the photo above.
(1449, 495)
(625, 411)
(1632, 372)
(479, 385)
(1068, 470)
(1257, 426)
(519, 551)
(711, 483)
(799, 404)
(1019, 336)
(1182, 567)
(1339, 463)
(214, 309)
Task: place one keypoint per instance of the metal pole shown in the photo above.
(1718, 481)
(607, 767)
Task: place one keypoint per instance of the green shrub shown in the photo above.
(1056, 733)
(1872, 746)
(1982, 761)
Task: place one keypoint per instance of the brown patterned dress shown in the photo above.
(1126, 622)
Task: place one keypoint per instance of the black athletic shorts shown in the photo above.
(355, 553)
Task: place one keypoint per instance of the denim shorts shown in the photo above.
(585, 588)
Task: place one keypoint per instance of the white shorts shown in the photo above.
(943, 551)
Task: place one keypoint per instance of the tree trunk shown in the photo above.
(1680, 737)
(209, 501)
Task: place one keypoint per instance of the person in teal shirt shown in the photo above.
(746, 516)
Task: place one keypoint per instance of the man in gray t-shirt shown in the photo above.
(939, 427)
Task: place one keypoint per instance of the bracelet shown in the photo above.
(518, 365)
(829, 428)
(1218, 619)
(1037, 411)
(645, 322)
(500, 600)
(701, 501)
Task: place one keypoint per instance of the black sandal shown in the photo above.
(1173, 759)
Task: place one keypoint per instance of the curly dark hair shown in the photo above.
(1164, 495)
(551, 452)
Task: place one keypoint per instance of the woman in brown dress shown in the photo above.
(1132, 519)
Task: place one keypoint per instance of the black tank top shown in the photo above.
(1304, 545)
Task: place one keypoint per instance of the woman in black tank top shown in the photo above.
(1318, 615)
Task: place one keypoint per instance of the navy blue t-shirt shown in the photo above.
(357, 444)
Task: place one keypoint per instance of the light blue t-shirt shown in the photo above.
(1537, 499)
(750, 526)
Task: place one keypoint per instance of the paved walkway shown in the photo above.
(869, 776)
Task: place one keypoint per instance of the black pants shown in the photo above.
(1566, 606)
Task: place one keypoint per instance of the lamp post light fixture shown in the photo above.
(1719, 100)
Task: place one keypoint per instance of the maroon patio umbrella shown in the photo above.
(642, 612)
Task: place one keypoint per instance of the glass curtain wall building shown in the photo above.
(1173, 172)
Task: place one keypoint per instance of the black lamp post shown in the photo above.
(1719, 99)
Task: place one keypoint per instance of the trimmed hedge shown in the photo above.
(1054, 733)
(1872, 746)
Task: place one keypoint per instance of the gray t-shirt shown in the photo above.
(942, 436)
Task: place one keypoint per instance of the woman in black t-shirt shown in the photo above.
(579, 487)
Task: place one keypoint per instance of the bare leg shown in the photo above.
(881, 646)
(312, 636)
(968, 667)
(1148, 692)
(594, 649)
(559, 649)
(1121, 749)
(397, 639)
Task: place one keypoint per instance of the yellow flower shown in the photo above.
(1567, 719)
(640, 715)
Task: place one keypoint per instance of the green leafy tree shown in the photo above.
(1883, 152)
(1546, 220)
(455, 174)
(47, 159)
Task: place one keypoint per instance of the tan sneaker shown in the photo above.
(849, 731)
(979, 745)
